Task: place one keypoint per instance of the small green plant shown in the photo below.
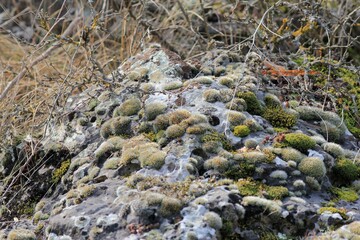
(345, 171)
(313, 167)
(217, 137)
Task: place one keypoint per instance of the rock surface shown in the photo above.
(176, 150)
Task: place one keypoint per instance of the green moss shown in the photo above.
(255, 157)
(170, 206)
(313, 167)
(237, 104)
(175, 131)
(152, 110)
(345, 171)
(331, 132)
(243, 170)
(152, 158)
(346, 194)
(280, 118)
(212, 95)
(291, 154)
(21, 234)
(121, 126)
(93, 104)
(235, 118)
(277, 192)
(178, 116)
(227, 81)
(241, 131)
(251, 143)
(217, 163)
(341, 211)
(253, 105)
(272, 101)
(299, 141)
(129, 107)
(334, 149)
(112, 163)
(213, 220)
(248, 187)
(151, 136)
(59, 172)
(173, 85)
(217, 137)
(198, 129)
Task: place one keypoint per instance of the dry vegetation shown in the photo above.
(50, 50)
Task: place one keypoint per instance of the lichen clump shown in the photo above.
(299, 141)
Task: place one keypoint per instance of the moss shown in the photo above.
(175, 131)
(21, 234)
(248, 187)
(279, 174)
(170, 206)
(267, 205)
(38, 216)
(280, 118)
(83, 121)
(277, 192)
(313, 167)
(255, 157)
(59, 172)
(212, 95)
(331, 132)
(121, 126)
(178, 116)
(243, 170)
(272, 101)
(241, 131)
(198, 129)
(334, 149)
(217, 137)
(213, 220)
(202, 80)
(85, 190)
(173, 85)
(235, 118)
(346, 194)
(291, 154)
(253, 105)
(106, 130)
(313, 183)
(345, 171)
(152, 110)
(253, 125)
(112, 163)
(147, 87)
(354, 227)
(152, 158)
(217, 163)
(128, 108)
(161, 122)
(299, 141)
(237, 104)
(93, 104)
(227, 81)
(251, 143)
(341, 211)
(104, 151)
(196, 119)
